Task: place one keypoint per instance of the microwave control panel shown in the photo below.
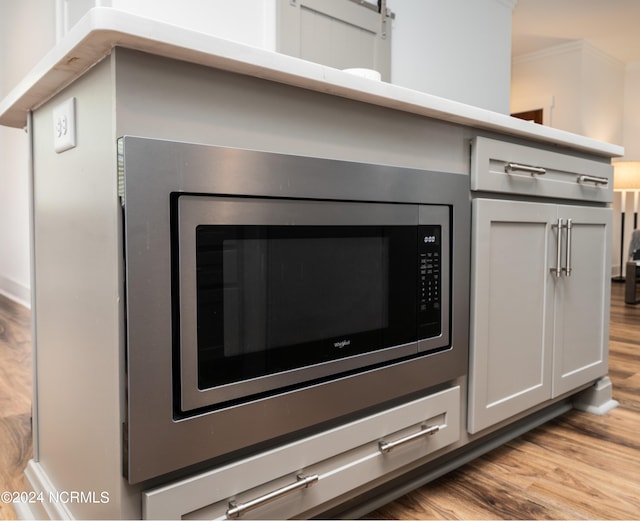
(429, 280)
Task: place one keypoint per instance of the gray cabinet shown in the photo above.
(581, 339)
(293, 479)
(511, 310)
(539, 305)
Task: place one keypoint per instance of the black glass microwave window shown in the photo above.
(276, 298)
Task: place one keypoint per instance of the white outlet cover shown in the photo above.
(64, 125)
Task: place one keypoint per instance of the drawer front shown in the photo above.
(497, 166)
(300, 476)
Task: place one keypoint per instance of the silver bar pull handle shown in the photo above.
(567, 268)
(426, 430)
(517, 167)
(592, 179)
(558, 267)
(237, 509)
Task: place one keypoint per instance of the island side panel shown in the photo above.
(78, 272)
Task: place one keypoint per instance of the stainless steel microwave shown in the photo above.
(281, 292)
(269, 296)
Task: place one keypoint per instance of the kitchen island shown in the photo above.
(128, 76)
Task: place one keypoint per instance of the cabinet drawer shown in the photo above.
(294, 478)
(497, 166)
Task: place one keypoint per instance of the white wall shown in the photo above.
(631, 140)
(582, 86)
(27, 32)
(456, 49)
(247, 21)
(603, 96)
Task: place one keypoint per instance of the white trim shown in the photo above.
(38, 481)
(61, 29)
(565, 48)
(632, 66)
(15, 291)
(596, 51)
(547, 52)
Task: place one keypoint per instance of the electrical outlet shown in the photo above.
(64, 125)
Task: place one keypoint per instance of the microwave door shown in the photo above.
(275, 293)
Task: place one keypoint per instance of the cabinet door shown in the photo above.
(511, 309)
(582, 301)
(336, 33)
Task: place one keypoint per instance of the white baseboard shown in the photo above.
(42, 507)
(15, 291)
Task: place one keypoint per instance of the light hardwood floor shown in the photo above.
(578, 466)
(15, 399)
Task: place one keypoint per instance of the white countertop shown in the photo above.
(105, 28)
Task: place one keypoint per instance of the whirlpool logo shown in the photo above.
(342, 343)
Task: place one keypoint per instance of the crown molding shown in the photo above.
(573, 46)
(632, 67)
(548, 52)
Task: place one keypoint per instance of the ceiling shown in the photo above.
(613, 26)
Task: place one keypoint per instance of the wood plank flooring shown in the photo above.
(578, 466)
(15, 398)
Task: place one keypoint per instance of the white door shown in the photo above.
(338, 33)
(582, 302)
(513, 248)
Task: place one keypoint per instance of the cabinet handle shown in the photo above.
(236, 510)
(517, 167)
(567, 268)
(558, 267)
(426, 430)
(592, 179)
